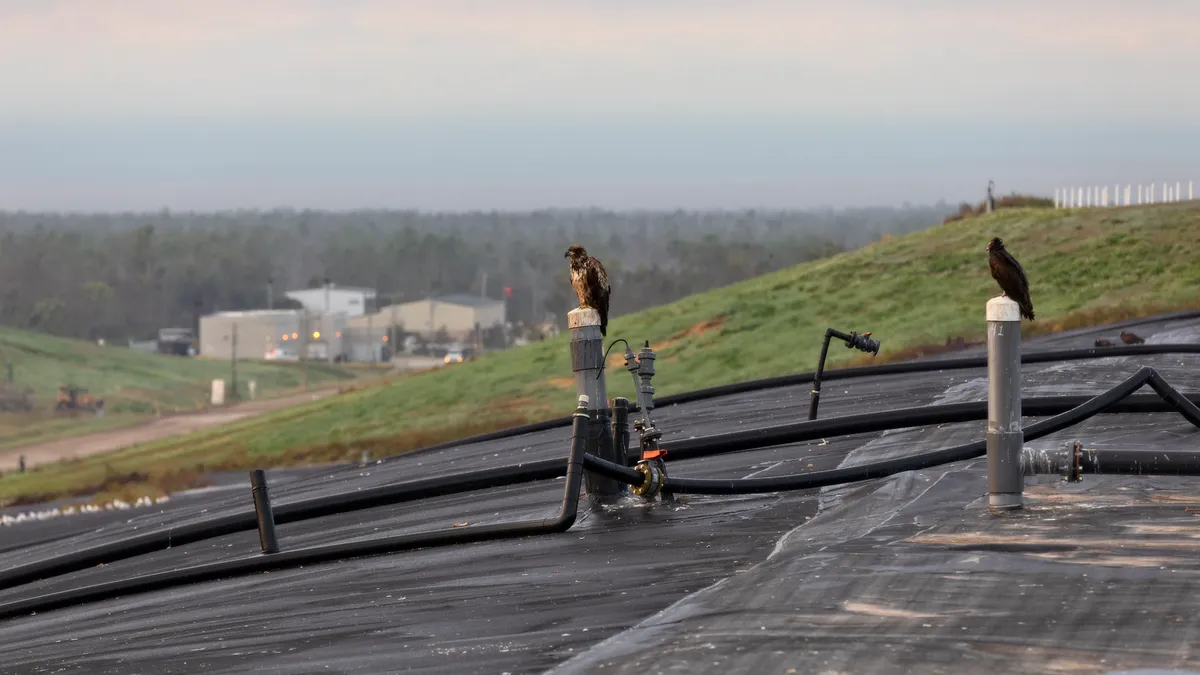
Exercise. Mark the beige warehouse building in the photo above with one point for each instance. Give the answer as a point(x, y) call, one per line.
point(457, 314)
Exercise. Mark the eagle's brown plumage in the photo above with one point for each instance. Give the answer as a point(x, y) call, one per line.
point(1008, 274)
point(590, 281)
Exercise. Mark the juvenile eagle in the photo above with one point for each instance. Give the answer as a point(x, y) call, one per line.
point(590, 281)
point(1008, 274)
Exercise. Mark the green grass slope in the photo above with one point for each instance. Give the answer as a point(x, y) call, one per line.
point(1085, 266)
point(133, 384)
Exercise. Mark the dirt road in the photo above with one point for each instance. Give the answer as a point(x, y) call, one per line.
point(155, 430)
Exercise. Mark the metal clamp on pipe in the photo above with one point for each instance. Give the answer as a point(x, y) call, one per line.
point(655, 474)
point(862, 343)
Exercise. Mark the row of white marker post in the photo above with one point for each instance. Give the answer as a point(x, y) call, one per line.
point(1079, 197)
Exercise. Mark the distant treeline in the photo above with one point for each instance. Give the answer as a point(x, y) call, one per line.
point(123, 276)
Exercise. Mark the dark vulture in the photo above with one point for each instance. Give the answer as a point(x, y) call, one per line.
point(1131, 338)
point(590, 281)
point(1008, 274)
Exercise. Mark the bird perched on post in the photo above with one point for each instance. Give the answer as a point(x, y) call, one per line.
point(1131, 338)
point(1008, 274)
point(590, 281)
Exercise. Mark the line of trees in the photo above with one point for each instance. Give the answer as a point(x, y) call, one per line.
point(124, 276)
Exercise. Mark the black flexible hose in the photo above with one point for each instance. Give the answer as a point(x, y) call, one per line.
point(316, 554)
point(910, 367)
point(383, 495)
point(972, 411)
point(405, 491)
point(613, 470)
point(926, 460)
point(903, 368)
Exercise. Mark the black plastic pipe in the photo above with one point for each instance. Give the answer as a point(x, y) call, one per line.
point(863, 343)
point(903, 368)
point(815, 479)
point(401, 492)
point(1074, 461)
point(262, 512)
point(1105, 461)
point(560, 522)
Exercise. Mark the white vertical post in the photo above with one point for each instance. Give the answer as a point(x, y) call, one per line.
point(1104, 197)
point(1128, 190)
point(1005, 478)
point(1139, 193)
point(1190, 191)
point(1056, 198)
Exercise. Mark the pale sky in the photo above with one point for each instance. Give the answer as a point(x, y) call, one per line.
point(453, 104)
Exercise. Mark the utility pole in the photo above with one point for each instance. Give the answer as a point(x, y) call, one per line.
point(371, 336)
point(327, 323)
point(304, 349)
point(270, 292)
point(483, 287)
point(233, 364)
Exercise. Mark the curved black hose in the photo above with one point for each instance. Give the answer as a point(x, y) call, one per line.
point(904, 368)
point(613, 470)
point(844, 425)
point(405, 491)
point(315, 554)
point(910, 367)
point(926, 460)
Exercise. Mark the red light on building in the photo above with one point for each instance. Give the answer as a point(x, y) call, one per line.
point(508, 291)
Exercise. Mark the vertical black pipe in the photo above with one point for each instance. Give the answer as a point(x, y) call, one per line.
point(815, 397)
point(262, 509)
point(620, 432)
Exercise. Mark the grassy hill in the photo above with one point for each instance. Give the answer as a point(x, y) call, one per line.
point(133, 384)
point(1085, 266)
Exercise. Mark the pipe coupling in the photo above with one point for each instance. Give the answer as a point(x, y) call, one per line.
point(1074, 468)
point(653, 478)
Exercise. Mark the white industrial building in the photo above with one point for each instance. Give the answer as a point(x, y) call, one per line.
point(334, 299)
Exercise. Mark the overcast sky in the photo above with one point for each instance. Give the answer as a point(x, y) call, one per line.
point(453, 104)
